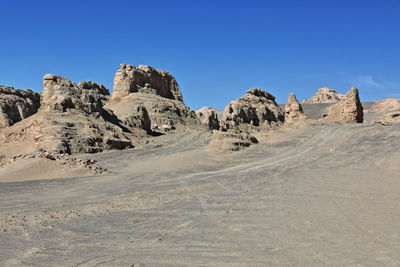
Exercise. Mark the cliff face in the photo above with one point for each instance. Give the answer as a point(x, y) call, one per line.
point(145, 79)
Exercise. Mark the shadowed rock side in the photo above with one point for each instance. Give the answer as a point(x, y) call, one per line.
point(147, 80)
point(16, 105)
point(325, 95)
point(349, 110)
point(293, 110)
point(209, 116)
point(71, 119)
point(157, 92)
point(256, 108)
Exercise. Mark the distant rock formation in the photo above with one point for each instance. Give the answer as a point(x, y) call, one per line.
point(389, 109)
point(155, 90)
point(209, 116)
point(147, 80)
point(386, 105)
point(16, 105)
point(349, 110)
point(325, 95)
point(293, 110)
point(255, 108)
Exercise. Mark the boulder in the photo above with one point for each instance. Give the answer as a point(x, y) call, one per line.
point(349, 110)
point(145, 79)
point(325, 95)
point(256, 108)
point(293, 110)
point(16, 105)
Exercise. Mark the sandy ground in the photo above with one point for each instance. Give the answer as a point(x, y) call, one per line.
point(39, 169)
point(320, 195)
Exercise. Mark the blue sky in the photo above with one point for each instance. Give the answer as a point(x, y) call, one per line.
point(215, 49)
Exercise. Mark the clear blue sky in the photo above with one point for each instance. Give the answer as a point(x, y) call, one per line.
point(215, 49)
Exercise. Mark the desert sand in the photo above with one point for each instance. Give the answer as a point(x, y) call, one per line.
point(312, 195)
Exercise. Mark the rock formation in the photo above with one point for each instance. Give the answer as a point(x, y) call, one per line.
point(71, 119)
point(230, 141)
point(209, 116)
point(325, 95)
point(386, 105)
point(16, 105)
point(211, 121)
point(155, 90)
point(60, 94)
point(147, 80)
point(349, 110)
point(388, 109)
point(293, 110)
point(255, 108)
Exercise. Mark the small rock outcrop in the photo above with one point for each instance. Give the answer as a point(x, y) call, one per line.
point(293, 110)
point(16, 105)
point(349, 110)
point(64, 159)
point(255, 108)
point(209, 116)
point(211, 120)
point(145, 79)
point(60, 94)
point(325, 95)
point(230, 141)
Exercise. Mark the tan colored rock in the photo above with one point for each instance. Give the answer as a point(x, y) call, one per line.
point(209, 116)
point(16, 105)
point(293, 110)
point(147, 80)
point(203, 111)
point(325, 95)
point(60, 94)
point(138, 118)
point(155, 90)
point(388, 110)
point(386, 105)
point(256, 108)
point(230, 141)
point(349, 110)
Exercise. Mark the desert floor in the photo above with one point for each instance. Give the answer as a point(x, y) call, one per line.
point(317, 195)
